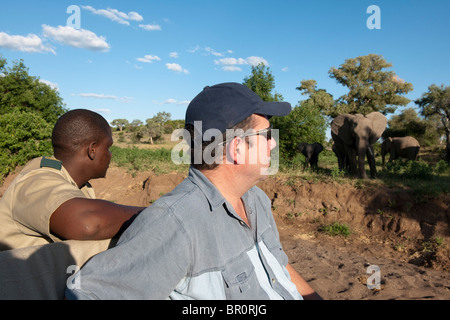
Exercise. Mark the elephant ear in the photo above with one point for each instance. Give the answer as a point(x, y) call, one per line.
point(318, 148)
point(301, 146)
point(342, 126)
point(379, 122)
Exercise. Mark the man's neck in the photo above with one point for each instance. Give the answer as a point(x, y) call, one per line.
point(232, 186)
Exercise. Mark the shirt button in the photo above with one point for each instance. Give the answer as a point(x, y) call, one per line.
point(274, 280)
point(241, 222)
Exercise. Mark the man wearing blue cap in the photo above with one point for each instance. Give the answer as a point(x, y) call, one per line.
point(213, 236)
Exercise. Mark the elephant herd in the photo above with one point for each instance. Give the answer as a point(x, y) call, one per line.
point(354, 136)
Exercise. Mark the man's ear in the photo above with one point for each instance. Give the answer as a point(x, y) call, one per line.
point(235, 152)
point(92, 150)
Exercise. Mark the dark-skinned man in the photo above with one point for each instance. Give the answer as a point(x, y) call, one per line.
point(51, 200)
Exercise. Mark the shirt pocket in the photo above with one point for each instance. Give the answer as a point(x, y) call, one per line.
point(237, 277)
point(272, 243)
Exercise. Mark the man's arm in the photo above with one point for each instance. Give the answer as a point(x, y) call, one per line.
point(303, 287)
point(91, 219)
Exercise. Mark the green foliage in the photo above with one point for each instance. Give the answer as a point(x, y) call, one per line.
point(120, 123)
point(336, 229)
point(262, 82)
point(436, 102)
point(134, 159)
point(23, 136)
point(28, 112)
point(410, 169)
point(318, 97)
point(408, 123)
point(304, 124)
point(21, 92)
point(370, 88)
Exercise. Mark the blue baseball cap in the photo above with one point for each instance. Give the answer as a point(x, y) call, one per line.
point(224, 105)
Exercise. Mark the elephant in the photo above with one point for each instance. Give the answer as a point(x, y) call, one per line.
point(354, 136)
point(311, 153)
point(404, 147)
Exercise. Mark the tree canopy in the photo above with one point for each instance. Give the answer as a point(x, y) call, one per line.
point(28, 112)
point(21, 92)
point(371, 88)
point(437, 102)
point(304, 124)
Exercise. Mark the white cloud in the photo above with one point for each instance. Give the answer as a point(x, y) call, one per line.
point(230, 61)
point(150, 27)
point(194, 49)
point(230, 64)
point(148, 58)
point(102, 110)
point(231, 68)
point(97, 96)
point(173, 55)
point(176, 67)
point(170, 101)
point(116, 15)
point(52, 85)
point(173, 101)
point(285, 69)
point(254, 61)
point(76, 38)
point(213, 52)
point(30, 43)
point(104, 96)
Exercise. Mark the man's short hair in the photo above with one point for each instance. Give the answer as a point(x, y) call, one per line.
point(244, 125)
point(76, 128)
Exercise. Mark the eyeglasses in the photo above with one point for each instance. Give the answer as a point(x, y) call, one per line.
point(267, 133)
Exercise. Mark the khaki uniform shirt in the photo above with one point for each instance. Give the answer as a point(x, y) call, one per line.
point(31, 199)
point(40, 264)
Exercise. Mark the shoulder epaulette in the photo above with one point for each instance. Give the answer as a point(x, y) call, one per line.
point(50, 163)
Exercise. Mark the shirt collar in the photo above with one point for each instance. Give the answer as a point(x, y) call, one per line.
point(212, 194)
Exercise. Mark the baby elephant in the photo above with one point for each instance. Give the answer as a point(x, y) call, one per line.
point(404, 147)
point(311, 152)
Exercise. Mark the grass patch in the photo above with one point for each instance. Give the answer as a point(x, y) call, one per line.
point(336, 229)
point(135, 159)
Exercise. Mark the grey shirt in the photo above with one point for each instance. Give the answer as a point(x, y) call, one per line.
point(191, 244)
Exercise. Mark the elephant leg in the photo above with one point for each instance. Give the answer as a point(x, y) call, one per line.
point(351, 154)
point(371, 159)
point(363, 145)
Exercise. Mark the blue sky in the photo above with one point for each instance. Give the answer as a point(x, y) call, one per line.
point(132, 59)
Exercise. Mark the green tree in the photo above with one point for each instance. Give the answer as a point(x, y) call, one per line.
point(28, 112)
point(305, 122)
point(437, 102)
point(21, 92)
point(262, 82)
point(120, 123)
point(135, 124)
point(319, 97)
point(155, 126)
point(408, 123)
point(370, 87)
point(23, 136)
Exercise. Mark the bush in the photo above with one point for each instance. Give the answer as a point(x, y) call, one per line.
point(336, 229)
point(23, 136)
point(410, 169)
